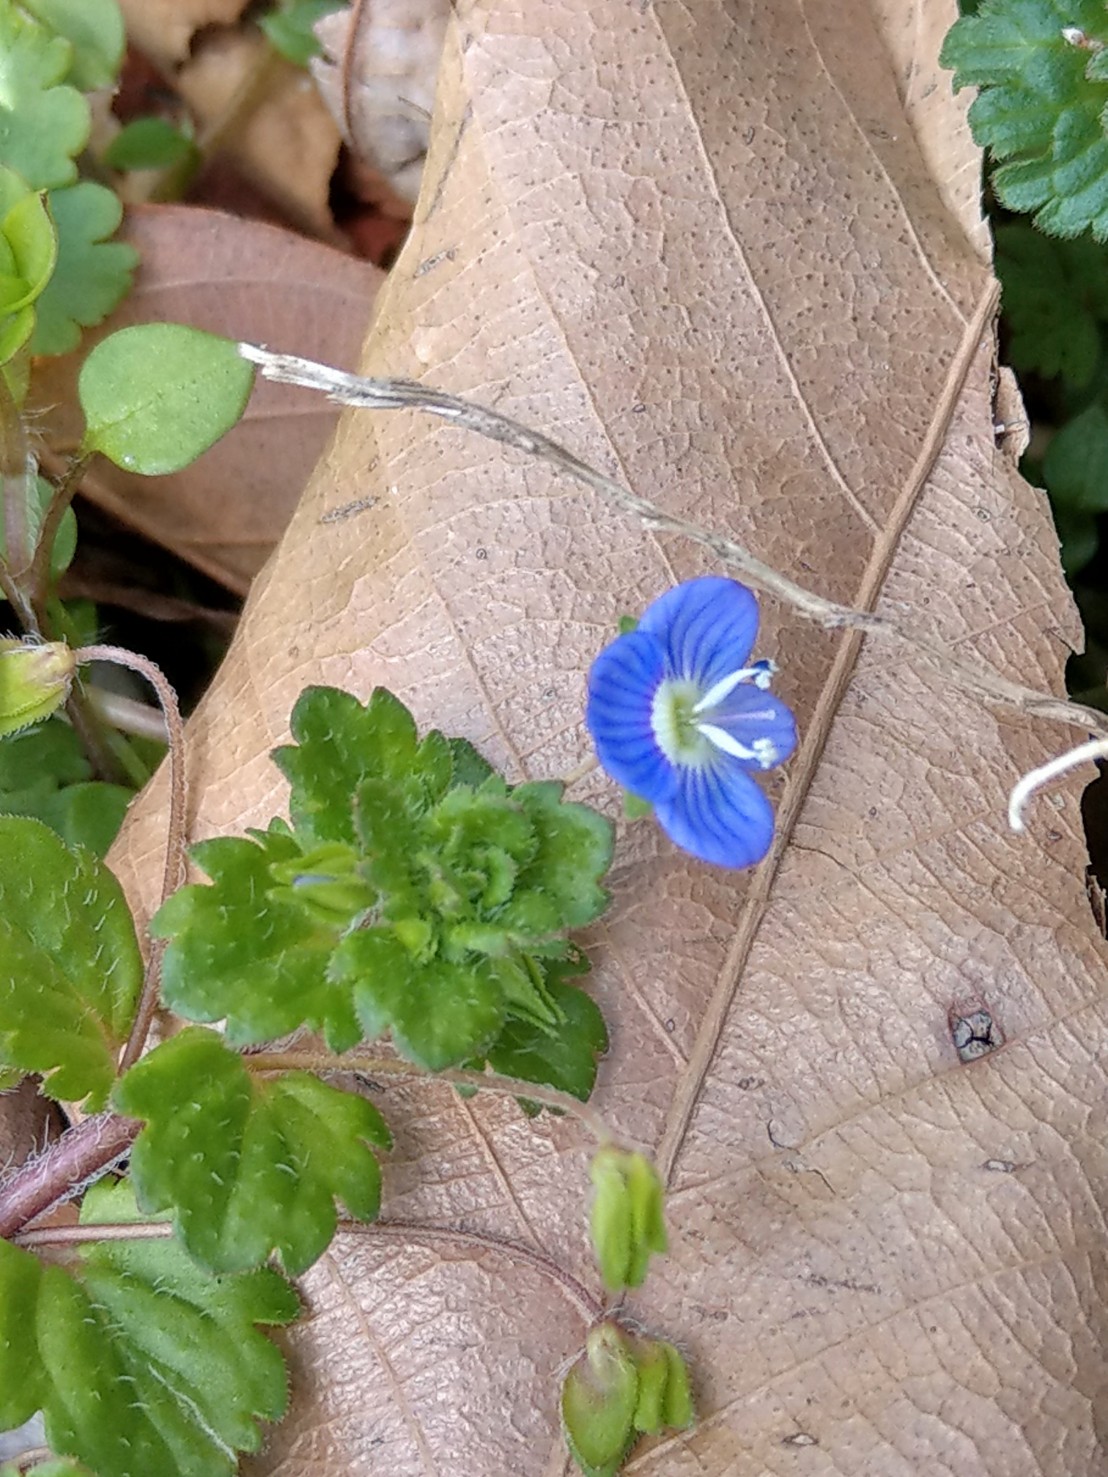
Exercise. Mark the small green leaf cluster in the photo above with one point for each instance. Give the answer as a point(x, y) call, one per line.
point(623, 1386)
point(1042, 73)
point(415, 894)
point(59, 272)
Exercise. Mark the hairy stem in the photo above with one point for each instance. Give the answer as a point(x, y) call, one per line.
point(81, 1154)
point(175, 861)
point(387, 1066)
point(399, 394)
point(65, 489)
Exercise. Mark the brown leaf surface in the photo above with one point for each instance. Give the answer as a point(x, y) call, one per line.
point(701, 246)
point(164, 29)
point(226, 511)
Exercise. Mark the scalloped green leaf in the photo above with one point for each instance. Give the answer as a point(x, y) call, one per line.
point(339, 743)
point(44, 124)
point(1039, 68)
point(566, 1058)
point(239, 950)
point(92, 274)
point(248, 1165)
point(70, 967)
point(140, 1362)
point(157, 395)
point(94, 30)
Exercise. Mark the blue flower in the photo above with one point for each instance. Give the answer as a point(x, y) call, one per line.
point(680, 717)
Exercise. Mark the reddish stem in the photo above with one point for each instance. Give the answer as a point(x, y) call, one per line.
point(82, 1152)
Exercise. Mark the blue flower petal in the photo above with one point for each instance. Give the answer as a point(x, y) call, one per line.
point(622, 684)
point(748, 714)
point(719, 815)
point(708, 626)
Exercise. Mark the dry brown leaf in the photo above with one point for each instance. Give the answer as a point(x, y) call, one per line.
point(164, 29)
point(700, 245)
point(225, 512)
point(377, 77)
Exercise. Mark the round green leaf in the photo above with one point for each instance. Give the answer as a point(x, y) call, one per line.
point(148, 143)
point(157, 395)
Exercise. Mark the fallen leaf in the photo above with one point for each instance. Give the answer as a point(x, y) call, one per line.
point(377, 77)
point(251, 281)
point(701, 247)
point(164, 29)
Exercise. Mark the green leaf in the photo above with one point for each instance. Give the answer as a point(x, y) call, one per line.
point(599, 1397)
point(70, 968)
point(43, 126)
point(1075, 467)
point(28, 244)
point(49, 1468)
point(34, 682)
point(157, 395)
point(559, 887)
point(140, 1362)
point(148, 143)
point(249, 1165)
point(45, 774)
point(339, 743)
point(565, 1058)
point(438, 1013)
point(627, 1223)
point(1055, 297)
point(37, 496)
point(239, 950)
point(1040, 104)
point(92, 275)
point(289, 28)
point(94, 29)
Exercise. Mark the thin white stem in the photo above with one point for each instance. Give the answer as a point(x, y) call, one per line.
point(398, 394)
point(128, 715)
point(1035, 779)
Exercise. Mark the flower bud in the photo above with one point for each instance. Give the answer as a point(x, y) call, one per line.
point(35, 679)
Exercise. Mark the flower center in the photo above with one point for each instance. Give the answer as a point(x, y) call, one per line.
point(674, 720)
point(682, 717)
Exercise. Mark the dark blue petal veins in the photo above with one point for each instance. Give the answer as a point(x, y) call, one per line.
point(707, 626)
point(718, 814)
point(622, 684)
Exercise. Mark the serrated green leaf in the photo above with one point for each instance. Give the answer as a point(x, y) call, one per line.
point(339, 743)
point(470, 767)
point(139, 1361)
point(1055, 297)
point(438, 1013)
point(70, 968)
point(238, 952)
point(148, 143)
point(92, 274)
point(288, 28)
point(43, 125)
point(1039, 106)
point(157, 395)
point(560, 886)
point(565, 1058)
point(248, 1165)
point(94, 29)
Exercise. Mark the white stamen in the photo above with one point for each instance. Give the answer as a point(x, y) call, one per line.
point(761, 675)
point(1035, 779)
point(723, 740)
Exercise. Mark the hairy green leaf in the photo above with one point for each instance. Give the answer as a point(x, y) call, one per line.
point(249, 1165)
point(566, 1058)
point(238, 949)
point(627, 1222)
point(94, 29)
point(43, 125)
point(70, 968)
point(1039, 68)
point(157, 395)
point(140, 1362)
point(92, 273)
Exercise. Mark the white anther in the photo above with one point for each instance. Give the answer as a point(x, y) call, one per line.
point(761, 675)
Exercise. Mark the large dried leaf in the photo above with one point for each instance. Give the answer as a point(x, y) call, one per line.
point(701, 245)
point(164, 29)
point(226, 511)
